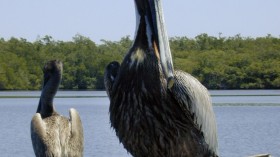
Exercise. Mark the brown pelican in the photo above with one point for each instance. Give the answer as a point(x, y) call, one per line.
point(154, 110)
point(52, 134)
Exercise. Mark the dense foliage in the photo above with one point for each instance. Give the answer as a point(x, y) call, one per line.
point(218, 62)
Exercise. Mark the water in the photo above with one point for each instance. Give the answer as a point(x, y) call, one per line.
point(248, 97)
point(248, 122)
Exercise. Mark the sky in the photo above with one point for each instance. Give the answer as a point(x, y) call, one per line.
point(114, 19)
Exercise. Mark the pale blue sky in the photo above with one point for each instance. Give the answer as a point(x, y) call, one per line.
point(113, 19)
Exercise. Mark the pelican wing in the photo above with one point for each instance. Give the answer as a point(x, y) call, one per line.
point(194, 97)
point(76, 123)
point(77, 135)
point(38, 134)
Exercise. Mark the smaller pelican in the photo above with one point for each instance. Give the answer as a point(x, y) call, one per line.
point(52, 134)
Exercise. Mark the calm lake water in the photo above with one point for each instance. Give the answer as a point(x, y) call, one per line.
point(248, 122)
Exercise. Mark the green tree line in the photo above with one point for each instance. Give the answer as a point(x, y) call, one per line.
point(218, 62)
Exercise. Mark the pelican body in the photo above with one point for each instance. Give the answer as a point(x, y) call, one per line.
point(52, 134)
point(155, 110)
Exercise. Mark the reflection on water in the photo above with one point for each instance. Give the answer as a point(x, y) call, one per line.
point(219, 97)
point(246, 130)
point(242, 130)
point(248, 97)
point(245, 92)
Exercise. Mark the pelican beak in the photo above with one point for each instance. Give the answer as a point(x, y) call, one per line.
point(151, 10)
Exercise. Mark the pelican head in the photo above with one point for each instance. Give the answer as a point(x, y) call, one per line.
point(52, 77)
point(151, 34)
point(52, 68)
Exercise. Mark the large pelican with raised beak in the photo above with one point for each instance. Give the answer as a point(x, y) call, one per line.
point(155, 110)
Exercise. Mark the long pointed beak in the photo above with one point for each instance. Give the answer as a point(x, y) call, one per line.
point(152, 10)
point(165, 53)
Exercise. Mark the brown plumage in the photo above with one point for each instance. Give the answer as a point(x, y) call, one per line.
point(157, 112)
point(52, 134)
